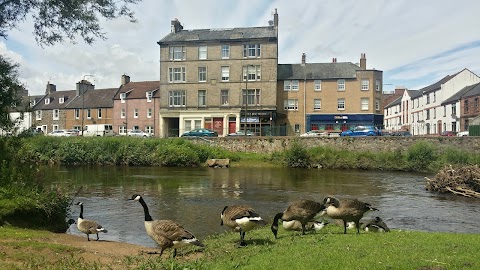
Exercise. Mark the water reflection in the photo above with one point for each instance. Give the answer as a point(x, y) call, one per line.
point(194, 197)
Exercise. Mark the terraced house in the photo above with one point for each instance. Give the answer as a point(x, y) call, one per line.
point(90, 106)
point(328, 96)
point(136, 106)
point(222, 79)
point(50, 113)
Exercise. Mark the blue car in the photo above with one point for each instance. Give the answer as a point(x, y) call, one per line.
point(362, 131)
point(200, 132)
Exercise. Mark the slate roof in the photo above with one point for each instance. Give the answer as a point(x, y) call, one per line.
point(138, 90)
point(54, 98)
point(225, 34)
point(395, 102)
point(317, 71)
point(438, 85)
point(467, 91)
point(414, 93)
point(97, 98)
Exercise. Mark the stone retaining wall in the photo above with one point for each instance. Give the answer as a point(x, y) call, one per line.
point(272, 144)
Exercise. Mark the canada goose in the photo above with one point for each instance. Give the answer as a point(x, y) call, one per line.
point(167, 233)
point(241, 218)
point(375, 225)
point(300, 210)
point(295, 225)
point(69, 224)
point(88, 226)
point(347, 210)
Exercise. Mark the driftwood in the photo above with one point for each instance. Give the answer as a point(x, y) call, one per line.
point(218, 163)
point(463, 181)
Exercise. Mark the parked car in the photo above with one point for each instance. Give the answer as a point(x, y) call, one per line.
point(200, 132)
point(315, 133)
point(402, 133)
point(72, 132)
point(362, 131)
point(31, 132)
point(138, 133)
point(59, 133)
point(241, 133)
point(448, 133)
point(463, 133)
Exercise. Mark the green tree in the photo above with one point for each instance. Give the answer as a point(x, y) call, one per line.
point(9, 87)
point(57, 20)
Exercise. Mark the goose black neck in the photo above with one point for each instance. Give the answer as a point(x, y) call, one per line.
point(145, 209)
point(276, 218)
point(81, 211)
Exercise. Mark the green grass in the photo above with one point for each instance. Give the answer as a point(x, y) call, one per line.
point(327, 249)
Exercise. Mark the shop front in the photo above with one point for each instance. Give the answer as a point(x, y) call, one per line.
point(259, 122)
point(342, 122)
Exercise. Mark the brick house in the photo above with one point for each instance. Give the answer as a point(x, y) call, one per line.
point(136, 106)
point(222, 79)
point(469, 105)
point(90, 106)
point(328, 96)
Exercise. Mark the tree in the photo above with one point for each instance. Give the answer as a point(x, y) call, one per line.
point(54, 22)
point(58, 20)
point(9, 87)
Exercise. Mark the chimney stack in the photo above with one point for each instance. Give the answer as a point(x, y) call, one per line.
point(304, 59)
point(50, 88)
point(83, 86)
point(176, 26)
point(363, 61)
point(125, 79)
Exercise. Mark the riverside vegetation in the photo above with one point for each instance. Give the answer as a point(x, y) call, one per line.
point(23, 194)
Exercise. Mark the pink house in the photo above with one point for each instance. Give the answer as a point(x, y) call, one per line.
point(135, 107)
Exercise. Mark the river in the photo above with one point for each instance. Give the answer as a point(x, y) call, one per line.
point(195, 197)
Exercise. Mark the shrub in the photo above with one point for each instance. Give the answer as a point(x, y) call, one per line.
point(296, 156)
point(421, 155)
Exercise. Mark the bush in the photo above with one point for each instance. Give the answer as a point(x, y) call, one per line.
point(421, 156)
point(24, 200)
point(297, 156)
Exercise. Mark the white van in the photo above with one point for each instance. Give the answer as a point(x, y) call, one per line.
point(98, 130)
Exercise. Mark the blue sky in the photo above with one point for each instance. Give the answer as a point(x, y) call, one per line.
point(415, 43)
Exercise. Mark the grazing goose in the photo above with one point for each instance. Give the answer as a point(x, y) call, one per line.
point(347, 210)
point(375, 225)
point(88, 226)
point(300, 210)
point(241, 218)
point(167, 233)
point(296, 225)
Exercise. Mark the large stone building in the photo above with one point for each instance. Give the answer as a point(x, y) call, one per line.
point(222, 79)
point(328, 96)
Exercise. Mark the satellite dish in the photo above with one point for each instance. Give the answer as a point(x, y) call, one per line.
point(270, 22)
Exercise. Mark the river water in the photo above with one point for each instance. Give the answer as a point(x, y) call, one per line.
point(195, 197)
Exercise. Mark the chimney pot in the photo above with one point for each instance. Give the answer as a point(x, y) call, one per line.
point(125, 79)
point(363, 61)
point(304, 59)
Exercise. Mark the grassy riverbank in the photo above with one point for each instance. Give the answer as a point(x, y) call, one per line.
point(421, 156)
point(327, 249)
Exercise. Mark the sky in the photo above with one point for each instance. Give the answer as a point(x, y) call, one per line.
point(414, 43)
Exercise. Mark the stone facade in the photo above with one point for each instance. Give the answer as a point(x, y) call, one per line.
point(203, 84)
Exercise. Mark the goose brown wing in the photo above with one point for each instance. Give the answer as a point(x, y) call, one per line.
point(302, 209)
point(171, 230)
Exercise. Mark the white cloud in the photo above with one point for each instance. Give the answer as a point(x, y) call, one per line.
point(406, 40)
